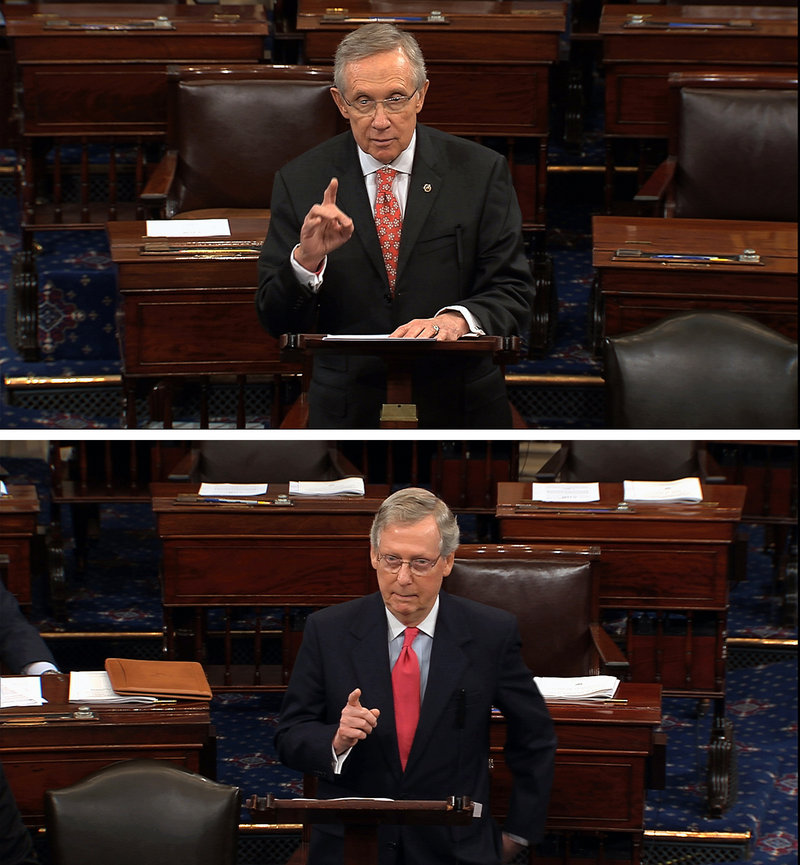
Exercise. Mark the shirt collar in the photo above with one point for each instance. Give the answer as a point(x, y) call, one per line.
point(427, 625)
point(403, 163)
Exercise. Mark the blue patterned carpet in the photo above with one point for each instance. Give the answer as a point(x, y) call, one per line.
point(119, 591)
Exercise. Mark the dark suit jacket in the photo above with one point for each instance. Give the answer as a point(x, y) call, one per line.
point(475, 665)
point(461, 243)
point(20, 642)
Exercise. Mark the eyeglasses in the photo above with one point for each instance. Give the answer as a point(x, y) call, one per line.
point(393, 105)
point(420, 567)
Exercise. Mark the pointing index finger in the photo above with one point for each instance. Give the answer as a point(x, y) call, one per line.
point(329, 196)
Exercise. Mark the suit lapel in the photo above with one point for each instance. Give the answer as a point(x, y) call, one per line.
point(448, 664)
point(370, 656)
point(352, 198)
point(423, 191)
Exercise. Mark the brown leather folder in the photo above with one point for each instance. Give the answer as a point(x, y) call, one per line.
point(185, 679)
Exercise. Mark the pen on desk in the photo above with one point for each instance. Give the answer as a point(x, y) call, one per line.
point(227, 501)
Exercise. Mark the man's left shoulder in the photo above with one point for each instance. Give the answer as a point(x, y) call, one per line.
point(455, 145)
point(477, 611)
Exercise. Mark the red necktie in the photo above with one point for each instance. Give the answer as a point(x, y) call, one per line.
point(405, 687)
point(388, 221)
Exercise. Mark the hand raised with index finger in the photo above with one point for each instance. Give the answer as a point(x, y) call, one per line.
point(324, 229)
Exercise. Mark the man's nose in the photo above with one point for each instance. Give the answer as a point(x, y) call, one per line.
point(380, 117)
point(404, 574)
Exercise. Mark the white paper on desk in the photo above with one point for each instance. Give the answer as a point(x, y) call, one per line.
point(374, 337)
point(94, 686)
point(566, 492)
point(21, 691)
point(342, 487)
point(3, 489)
point(685, 490)
point(226, 490)
point(577, 687)
point(188, 228)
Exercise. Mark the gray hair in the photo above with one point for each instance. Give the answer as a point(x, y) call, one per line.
point(372, 39)
point(411, 505)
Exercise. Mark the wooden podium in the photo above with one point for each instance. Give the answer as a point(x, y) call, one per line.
point(399, 410)
point(361, 817)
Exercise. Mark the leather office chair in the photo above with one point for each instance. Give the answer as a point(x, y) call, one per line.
point(701, 370)
point(732, 148)
point(275, 462)
point(555, 597)
point(229, 130)
point(616, 461)
point(143, 811)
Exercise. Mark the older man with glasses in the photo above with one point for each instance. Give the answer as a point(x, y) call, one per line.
point(391, 697)
point(418, 234)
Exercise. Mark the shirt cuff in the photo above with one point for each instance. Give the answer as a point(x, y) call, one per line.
point(37, 668)
point(472, 322)
point(308, 278)
point(339, 760)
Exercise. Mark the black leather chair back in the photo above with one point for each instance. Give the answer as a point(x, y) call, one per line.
point(234, 131)
point(553, 596)
point(737, 154)
point(617, 461)
point(701, 370)
point(275, 462)
point(143, 811)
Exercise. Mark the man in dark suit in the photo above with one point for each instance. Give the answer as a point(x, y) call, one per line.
point(22, 650)
point(460, 266)
point(342, 719)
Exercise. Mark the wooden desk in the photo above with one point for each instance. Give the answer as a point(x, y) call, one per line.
point(98, 71)
point(312, 553)
point(639, 57)
point(18, 517)
point(41, 749)
point(636, 292)
point(607, 755)
point(189, 310)
point(664, 572)
point(488, 67)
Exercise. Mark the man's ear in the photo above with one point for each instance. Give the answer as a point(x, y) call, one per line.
point(340, 103)
point(373, 557)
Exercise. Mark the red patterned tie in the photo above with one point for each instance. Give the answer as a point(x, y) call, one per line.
point(405, 687)
point(388, 221)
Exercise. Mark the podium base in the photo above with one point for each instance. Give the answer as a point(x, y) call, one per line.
point(399, 416)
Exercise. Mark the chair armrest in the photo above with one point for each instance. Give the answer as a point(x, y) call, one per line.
point(160, 182)
point(656, 185)
point(186, 468)
point(553, 467)
point(710, 472)
point(612, 658)
point(343, 466)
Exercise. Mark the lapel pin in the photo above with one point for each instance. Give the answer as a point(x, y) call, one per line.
point(426, 187)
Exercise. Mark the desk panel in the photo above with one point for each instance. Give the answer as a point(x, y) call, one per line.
point(638, 59)
point(637, 292)
point(603, 759)
point(41, 750)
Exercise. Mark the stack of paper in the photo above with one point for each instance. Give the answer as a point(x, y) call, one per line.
point(21, 691)
point(95, 687)
point(589, 492)
point(577, 688)
point(685, 490)
point(222, 490)
point(343, 487)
